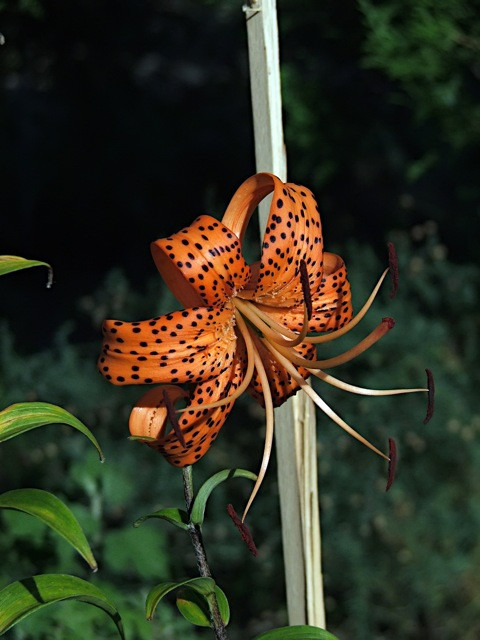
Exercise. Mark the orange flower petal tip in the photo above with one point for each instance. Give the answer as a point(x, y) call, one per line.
point(150, 415)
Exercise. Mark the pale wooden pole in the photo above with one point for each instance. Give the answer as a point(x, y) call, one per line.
point(295, 421)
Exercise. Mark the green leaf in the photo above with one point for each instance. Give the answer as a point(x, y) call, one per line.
point(194, 607)
point(24, 597)
point(175, 516)
point(198, 509)
point(54, 513)
point(14, 263)
point(299, 632)
point(19, 418)
point(203, 586)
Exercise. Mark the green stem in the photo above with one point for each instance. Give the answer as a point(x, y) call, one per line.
point(199, 549)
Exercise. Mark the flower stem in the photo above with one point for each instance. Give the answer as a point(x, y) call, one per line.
point(199, 549)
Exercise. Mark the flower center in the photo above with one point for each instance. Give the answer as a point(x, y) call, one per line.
point(262, 334)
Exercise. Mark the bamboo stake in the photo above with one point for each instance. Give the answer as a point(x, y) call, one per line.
point(295, 420)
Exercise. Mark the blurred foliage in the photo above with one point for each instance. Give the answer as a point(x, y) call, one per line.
point(120, 122)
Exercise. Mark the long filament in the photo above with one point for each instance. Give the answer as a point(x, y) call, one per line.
point(321, 404)
point(362, 391)
point(269, 428)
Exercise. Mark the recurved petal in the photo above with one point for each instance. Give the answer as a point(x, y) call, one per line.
point(293, 233)
point(203, 263)
point(199, 427)
point(331, 305)
point(282, 386)
point(193, 345)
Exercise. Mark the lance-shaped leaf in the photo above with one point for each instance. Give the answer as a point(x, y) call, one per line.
point(54, 513)
point(19, 418)
point(299, 632)
point(203, 586)
point(24, 597)
point(175, 516)
point(198, 509)
point(15, 263)
point(194, 607)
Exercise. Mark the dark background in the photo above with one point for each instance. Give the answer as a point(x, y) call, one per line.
point(120, 122)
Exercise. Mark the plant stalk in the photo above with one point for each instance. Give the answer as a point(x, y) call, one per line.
point(201, 556)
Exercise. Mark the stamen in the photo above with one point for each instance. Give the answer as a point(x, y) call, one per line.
point(340, 384)
point(392, 462)
point(269, 427)
point(173, 418)
point(383, 328)
point(430, 397)
point(306, 288)
point(251, 312)
point(321, 404)
point(338, 333)
point(393, 267)
point(246, 380)
point(268, 320)
point(243, 529)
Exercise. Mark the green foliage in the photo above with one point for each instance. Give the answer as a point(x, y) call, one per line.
point(48, 508)
point(27, 596)
point(200, 502)
point(9, 264)
point(430, 50)
point(22, 417)
point(297, 632)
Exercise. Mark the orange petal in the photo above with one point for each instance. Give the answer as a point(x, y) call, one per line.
point(293, 233)
point(150, 415)
point(193, 345)
point(332, 304)
point(198, 427)
point(282, 385)
point(202, 264)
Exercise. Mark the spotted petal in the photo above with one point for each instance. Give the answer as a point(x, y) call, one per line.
point(199, 427)
point(293, 233)
point(202, 264)
point(332, 305)
point(281, 383)
point(193, 345)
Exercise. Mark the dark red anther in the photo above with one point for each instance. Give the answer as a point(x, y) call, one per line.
point(307, 295)
point(430, 396)
point(392, 462)
point(244, 530)
point(393, 265)
point(173, 418)
point(390, 322)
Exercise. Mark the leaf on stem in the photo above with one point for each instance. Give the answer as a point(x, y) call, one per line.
point(194, 607)
point(24, 597)
point(175, 516)
point(203, 586)
point(298, 632)
point(54, 513)
point(8, 264)
point(198, 509)
point(20, 418)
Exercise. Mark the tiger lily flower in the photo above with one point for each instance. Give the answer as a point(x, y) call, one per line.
point(243, 327)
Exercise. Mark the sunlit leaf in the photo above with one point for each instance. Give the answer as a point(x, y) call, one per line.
point(19, 418)
point(198, 508)
point(194, 607)
point(8, 264)
point(24, 597)
point(54, 513)
point(299, 632)
point(175, 516)
point(203, 586)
